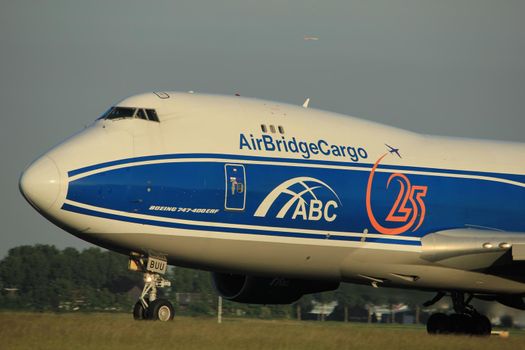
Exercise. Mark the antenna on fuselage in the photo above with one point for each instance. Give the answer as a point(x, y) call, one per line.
point(306, 102)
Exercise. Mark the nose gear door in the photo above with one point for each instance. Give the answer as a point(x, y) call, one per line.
point(235, 187)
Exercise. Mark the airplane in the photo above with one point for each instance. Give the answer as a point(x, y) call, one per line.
point(393, 150)
point(278, 201)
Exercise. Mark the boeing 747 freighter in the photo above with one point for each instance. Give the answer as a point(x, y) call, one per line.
point(278, 201)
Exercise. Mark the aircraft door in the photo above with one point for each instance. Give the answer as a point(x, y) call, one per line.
point(235, 189)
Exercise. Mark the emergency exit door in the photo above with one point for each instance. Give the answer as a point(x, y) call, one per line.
point(235, 191)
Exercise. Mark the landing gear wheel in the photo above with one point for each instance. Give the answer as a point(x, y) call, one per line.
point(466, 320)
point(481, 325)
point(161, 309)
point(152, 269)
point(139, 313)
point(460, 324)
point(438, 324)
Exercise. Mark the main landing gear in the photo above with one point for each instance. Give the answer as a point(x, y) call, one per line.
point(149, 307)
point(466, 320)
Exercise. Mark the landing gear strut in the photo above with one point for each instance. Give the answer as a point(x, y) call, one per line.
point(149, 307)
point(466, 320)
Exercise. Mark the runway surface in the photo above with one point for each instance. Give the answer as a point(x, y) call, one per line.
point(119, 331)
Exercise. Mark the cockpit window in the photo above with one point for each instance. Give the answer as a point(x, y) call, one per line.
point(120, 112)
point(130, 112)
point(141, 114)
point(152, 115)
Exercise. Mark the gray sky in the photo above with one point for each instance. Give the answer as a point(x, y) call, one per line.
point(448, 67)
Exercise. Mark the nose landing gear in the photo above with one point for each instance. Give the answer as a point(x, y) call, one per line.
point(149, 307)
point(466, 320)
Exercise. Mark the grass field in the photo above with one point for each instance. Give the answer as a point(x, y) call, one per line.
point(119, 331)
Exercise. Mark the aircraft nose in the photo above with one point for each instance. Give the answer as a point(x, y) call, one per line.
point(40, 183)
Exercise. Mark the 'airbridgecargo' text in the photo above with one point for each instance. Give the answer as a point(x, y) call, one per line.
point(305, 149)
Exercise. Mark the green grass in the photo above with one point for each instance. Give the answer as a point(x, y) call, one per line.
point(119, 331)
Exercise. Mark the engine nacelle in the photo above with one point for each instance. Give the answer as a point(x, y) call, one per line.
point(266, 290)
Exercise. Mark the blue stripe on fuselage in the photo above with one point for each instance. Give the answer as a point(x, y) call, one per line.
point(511, 177)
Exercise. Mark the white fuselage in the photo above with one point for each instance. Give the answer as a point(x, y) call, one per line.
point(210, 187)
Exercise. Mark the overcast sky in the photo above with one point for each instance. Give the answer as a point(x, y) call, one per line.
point(448, 67)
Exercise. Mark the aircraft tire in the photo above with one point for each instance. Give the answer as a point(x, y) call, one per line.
point(481, 325)
point(161, 310)
point(139, 313)
point(461, 324)
point(438, 324)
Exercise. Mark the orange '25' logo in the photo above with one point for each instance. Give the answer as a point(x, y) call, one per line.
point(408, 207)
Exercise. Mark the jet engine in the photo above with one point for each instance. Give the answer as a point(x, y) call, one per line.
point(266, 290)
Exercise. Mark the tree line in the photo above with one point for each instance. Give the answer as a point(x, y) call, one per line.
point(44, 278)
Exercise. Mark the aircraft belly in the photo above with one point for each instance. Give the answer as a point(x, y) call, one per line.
point(254, 257)
point(425, 276)
point(287, 259)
